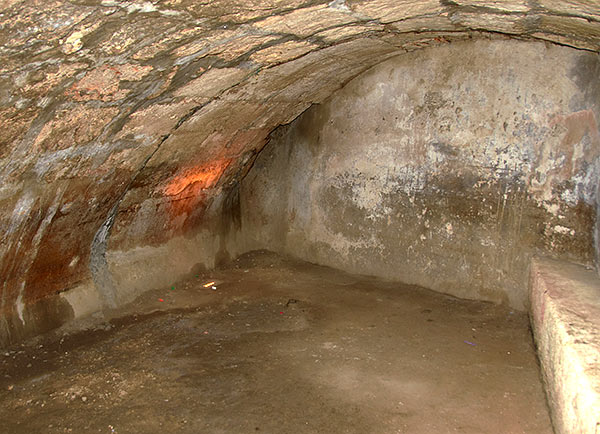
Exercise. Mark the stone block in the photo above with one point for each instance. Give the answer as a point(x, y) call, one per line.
point(565, 314)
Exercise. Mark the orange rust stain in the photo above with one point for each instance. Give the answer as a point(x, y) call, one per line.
point(187, 189)
point(195, 178)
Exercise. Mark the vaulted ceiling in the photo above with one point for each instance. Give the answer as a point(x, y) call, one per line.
point(136, 114)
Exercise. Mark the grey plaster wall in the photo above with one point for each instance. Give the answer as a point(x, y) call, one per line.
point(448, 167)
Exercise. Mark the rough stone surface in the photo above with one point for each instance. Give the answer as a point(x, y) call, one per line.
point(106, 104)
point(565, 315)
point(448, 167)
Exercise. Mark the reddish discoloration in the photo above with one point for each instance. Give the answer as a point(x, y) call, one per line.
point(76, 126)
point(53, 238)
point(578, 124)
point(13, 267)
point(187, 189)
point(104, 83)
point(197, 178)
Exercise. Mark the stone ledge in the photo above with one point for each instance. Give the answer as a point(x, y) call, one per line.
point(565, 315)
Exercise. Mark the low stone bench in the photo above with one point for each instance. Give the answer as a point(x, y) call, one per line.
point(565, 315)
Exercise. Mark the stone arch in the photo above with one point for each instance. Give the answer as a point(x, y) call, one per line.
point(132, 119)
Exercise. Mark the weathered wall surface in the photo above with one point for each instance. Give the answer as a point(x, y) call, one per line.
point(448, 167)
point(125, 123)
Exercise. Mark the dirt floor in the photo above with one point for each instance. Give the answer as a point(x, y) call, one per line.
point(281, 347)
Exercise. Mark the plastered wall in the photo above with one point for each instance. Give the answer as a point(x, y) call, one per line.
point(448, 168)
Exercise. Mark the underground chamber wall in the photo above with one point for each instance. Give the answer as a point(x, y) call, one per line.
point(453, 168)
point(449, 167)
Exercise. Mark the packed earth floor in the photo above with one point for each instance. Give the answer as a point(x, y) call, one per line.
point(280, 346)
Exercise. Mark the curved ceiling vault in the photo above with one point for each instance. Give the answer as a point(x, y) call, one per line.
point(142, 112)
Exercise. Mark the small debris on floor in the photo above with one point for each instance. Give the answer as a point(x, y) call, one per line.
point(291, 301)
